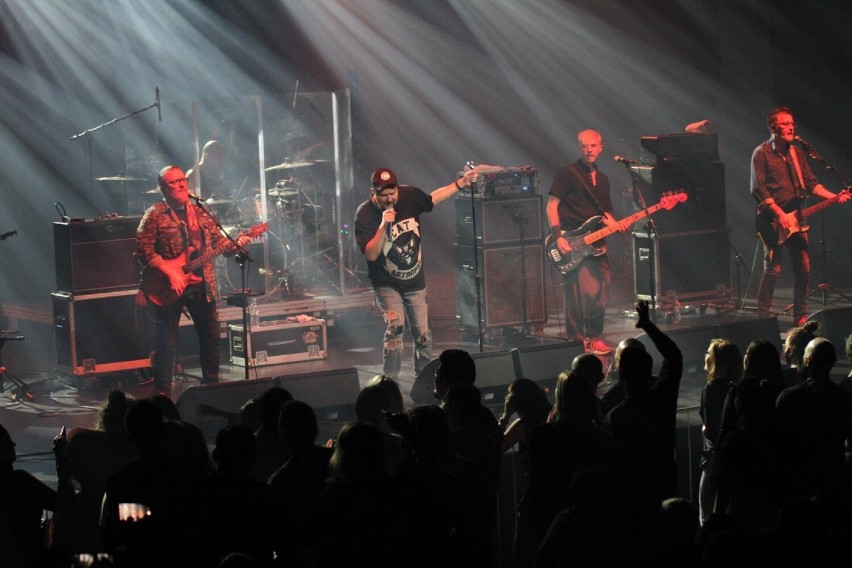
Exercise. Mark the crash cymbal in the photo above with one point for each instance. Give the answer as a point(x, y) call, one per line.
point(292, 165)
point(121, 178)
point(155, 190)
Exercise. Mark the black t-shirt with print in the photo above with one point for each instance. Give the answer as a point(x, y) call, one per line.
point(400, 265)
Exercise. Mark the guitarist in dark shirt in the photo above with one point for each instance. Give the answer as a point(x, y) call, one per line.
point(781, 180)
point(580, 191)
point(173, 229)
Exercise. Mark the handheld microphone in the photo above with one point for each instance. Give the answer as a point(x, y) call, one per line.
point(388, 226)
point(159, 111)
point(623, 160)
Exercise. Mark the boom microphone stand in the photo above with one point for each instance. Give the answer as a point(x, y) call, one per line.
point(650, 230)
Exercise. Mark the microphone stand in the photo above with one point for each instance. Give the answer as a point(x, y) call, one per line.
point(824, 287)
point(739, 262)
point(477, 277)
point(85, 133)
point(241, 296)
point(653, 235)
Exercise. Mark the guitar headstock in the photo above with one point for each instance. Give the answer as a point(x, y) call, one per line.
point(671, 198)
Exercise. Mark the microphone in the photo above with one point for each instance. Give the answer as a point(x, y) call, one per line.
point(623, 160)
point(159, 111)
point(195, 197)
point(809, 148)
point(803, 142)
point(388, 227)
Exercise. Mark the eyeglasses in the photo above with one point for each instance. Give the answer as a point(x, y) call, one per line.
point(793, 124)
point(177, 181)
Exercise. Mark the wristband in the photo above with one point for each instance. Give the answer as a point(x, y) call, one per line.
point(556, 231)
point(458, 187)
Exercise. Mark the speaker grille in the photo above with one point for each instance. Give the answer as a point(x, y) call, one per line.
point(505, 293)
point(500, 220)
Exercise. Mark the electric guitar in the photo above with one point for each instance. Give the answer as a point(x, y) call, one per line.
point(796, 219)
point(155, 282)
point(583, 239)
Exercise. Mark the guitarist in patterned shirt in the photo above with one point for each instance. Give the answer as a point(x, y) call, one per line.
point(173, 229)
point(580, 191)
point(781, 181)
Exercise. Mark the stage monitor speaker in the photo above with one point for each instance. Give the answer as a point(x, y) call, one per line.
point(835, 324)
point(95, 256)
point(544, 363)
point(693, 342)
point(100, 333)
point(512, 279)
point(692, 266)
point(331, 394)
point(508, 219)
point(704, 184)
point(495, 370)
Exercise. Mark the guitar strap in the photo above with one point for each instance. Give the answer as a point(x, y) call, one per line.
point(587, 185)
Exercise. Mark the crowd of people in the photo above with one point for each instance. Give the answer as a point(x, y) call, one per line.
point(420, 486)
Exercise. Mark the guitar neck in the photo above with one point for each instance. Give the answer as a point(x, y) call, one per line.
point(606, 231)
point(193, 264)
point(817, 207)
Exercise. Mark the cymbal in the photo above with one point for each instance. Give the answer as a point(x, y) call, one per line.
point(292, 165)
point(217, 201)
point(121, 178)
point(282, 192)
point(155, 190)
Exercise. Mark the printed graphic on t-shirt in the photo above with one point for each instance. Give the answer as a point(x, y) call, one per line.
point(402, 254)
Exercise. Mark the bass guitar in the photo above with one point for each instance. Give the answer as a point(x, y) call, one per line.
point(155, 282)
point(796, 219)
point(583, 239)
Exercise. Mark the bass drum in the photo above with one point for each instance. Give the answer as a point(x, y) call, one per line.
point(229, 274)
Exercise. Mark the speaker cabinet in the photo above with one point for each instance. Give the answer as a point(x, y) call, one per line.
point(95, 256)
point(512, 279)
point(544, 363)
point(495, 371)
point(507, 219)
point(704, 184)
point(692, 266)
point(330, 393)
point(100, 333)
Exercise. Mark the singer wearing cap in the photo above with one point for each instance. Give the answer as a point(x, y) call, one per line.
point(388, 232)
point(169, 230)
point(579, 192)
point(781, 181)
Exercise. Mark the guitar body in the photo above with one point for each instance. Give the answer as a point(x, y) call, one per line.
point(582, 240)
point(796, 225)
point(579, 249)
point(157, 285)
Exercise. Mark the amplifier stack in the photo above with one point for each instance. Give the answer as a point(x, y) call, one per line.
point(508, 216)
point(97, 326)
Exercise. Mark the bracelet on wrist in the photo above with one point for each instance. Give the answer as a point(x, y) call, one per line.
point(458, 187)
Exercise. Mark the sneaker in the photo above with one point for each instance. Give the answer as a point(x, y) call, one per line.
point(596, 346)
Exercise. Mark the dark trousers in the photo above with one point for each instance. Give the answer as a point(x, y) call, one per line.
point(205, 319)
point(586, 297)
point(797, 247)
